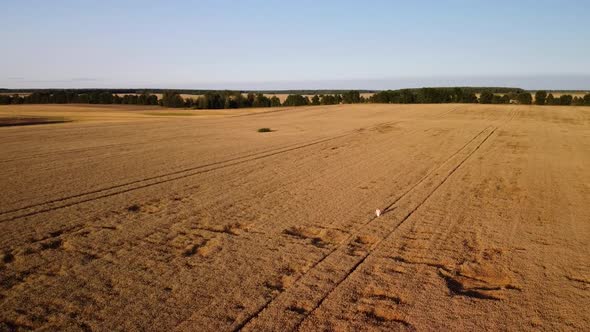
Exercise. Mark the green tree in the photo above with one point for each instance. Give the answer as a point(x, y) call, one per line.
point(250, 99)
point(60, 97)
point(228, 103)
point(486, 97)
point(315, 100)
point(153, 100)
point(16, 99)
point(587, 99)
point(540, 97)
point(275, 101)
point(261, 101)
point(5, 99)
point(504, 99)
point(381, 97)
point(524, 98)
point(407, 97)
point(351, 97)
point(550, 99)
point(457, 95)
point(142, 99)
point(295, 100)
point(104, 98)
point(578, 101)
point(565, 99)
point(469, 98)
point(238, 100)
point(170, 99)
point(328, 100)
point(433, 96)
point(85, 99)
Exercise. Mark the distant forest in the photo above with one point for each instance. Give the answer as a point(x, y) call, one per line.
point(213, 99)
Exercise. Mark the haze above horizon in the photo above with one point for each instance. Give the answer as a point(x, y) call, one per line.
point(295, 44)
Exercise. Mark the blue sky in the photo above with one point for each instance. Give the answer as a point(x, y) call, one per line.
point(294, 44)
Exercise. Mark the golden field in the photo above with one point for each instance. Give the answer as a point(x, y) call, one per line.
point(143, 218)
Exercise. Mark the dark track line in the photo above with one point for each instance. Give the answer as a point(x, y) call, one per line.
point(350, 237)
point(228, 163)
point(158, 176)
point(408, 215)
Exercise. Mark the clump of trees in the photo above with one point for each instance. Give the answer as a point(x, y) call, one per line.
point(504, 99)
point(425, 96)
point(540, 97)
point(352, 97)
point(544, 98)
point(565, 99)
point(275, 101)
point(315, 100)
point(486, 97)
point(296, 100)
point(524, 98)
point(330, 99)
point(231, 99)
point(172, 99)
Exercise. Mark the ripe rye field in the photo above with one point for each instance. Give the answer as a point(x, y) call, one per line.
point(125, 219)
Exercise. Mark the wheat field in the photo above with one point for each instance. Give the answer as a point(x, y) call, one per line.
point(143, 218)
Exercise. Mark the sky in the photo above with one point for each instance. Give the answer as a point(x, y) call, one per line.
point(294, 44)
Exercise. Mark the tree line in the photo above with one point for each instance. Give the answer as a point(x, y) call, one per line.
point(467, 95)
point(542, 98)
point(69, 97)
point(237, 99)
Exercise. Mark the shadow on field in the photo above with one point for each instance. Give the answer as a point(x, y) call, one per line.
point(12, 122)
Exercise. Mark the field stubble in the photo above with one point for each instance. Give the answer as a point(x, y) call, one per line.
point(123, 220)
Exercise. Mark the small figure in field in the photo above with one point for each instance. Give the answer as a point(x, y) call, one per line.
point(378, 212)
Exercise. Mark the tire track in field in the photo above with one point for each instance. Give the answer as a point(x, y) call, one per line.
point(232, 161)
point(112, 145)
point(65, 152)
point(406, 216)
point(101, 191)
point(93, 148)
point(386, 209)
point(164, 178)
point(402, 134)
point(338, 249)
point(513, 114)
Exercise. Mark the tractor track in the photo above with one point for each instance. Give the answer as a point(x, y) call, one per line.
point(266, 305)
point(163, 178)
point(406, 216)
point(347, 241)
point(175, 175)
point(374, 246)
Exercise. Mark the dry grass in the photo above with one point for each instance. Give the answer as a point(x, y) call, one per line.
point(122, 220)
